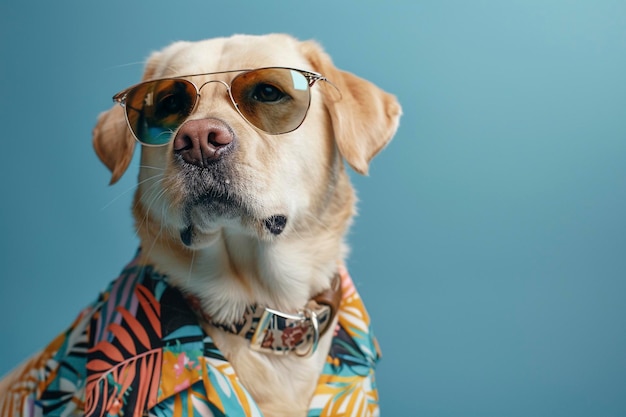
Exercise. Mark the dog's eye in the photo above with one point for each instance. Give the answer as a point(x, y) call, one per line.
point(267, 93)
point(172, 104)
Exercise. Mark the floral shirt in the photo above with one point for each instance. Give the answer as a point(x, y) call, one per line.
point(139, 350)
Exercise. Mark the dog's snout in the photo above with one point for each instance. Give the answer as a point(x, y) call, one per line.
point(200, 142)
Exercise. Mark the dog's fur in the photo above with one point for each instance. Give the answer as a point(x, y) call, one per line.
point(232, 259)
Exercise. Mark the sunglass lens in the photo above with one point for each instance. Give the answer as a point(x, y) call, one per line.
point(274, 100)
point(155, 109)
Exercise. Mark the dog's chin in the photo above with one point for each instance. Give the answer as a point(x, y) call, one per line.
point(208, 217)
point(215, 204)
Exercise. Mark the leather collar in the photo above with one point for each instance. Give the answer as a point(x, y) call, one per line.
point(273, 331)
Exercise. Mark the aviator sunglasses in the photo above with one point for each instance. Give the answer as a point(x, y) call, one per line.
point(274, 100)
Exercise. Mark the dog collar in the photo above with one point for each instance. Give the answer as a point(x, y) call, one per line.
point(273, 331)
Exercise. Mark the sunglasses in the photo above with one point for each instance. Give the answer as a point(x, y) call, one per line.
point(274, 100)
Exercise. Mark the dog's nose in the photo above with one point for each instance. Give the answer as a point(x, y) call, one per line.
point(200, 142)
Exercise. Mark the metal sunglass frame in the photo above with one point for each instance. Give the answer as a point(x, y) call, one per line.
point(311, 77)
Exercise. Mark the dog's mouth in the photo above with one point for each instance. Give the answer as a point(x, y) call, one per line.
point(274, 225)
point(216, 199)
point(205, 215)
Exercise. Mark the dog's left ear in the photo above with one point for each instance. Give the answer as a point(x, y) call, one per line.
point(364, 119)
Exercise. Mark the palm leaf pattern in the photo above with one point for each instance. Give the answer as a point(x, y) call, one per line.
point(52, 382)
point(139, 350)
point(347, 386)
point(124, 364)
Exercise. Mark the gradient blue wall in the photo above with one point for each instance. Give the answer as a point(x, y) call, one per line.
point(491, 242)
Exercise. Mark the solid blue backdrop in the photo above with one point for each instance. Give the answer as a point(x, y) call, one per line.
point(490, 246)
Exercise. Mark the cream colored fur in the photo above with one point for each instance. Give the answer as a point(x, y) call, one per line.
point(236, 262)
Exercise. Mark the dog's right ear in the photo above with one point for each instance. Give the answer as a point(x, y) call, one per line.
point(113, 142)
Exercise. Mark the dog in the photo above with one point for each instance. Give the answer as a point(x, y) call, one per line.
point(238, 301)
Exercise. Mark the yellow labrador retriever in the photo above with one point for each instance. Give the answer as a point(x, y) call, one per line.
point(238, 301)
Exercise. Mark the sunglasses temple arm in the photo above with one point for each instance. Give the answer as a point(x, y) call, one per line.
point(326, 81)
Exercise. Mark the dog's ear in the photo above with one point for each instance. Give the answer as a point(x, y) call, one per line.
point(112, 140)
point(364, 117)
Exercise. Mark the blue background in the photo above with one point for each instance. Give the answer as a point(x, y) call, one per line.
point(491, 242)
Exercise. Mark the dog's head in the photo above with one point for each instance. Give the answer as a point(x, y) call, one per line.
point(222, 174)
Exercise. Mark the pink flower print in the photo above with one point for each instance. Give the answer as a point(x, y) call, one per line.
point(181, 364)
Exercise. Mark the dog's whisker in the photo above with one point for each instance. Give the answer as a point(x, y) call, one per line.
point(154, 241)
point(193, 258)
point(155, 197)
point(152, 167)
point(145, 217)
point(132, 188)
point(161, 224)
point(129, 64)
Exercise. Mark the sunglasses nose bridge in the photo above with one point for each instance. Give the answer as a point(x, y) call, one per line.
point(225, 84)
point(213, 81)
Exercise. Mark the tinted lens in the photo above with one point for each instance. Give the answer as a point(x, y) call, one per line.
point(274, 100)
point(155, 109)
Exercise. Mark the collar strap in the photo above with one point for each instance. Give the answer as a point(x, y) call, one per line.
point(273, 331)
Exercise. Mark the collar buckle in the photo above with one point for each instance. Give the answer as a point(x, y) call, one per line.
point(281, 333)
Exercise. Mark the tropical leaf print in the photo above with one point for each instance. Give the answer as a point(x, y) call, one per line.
point(349, 396)
point(124, 373)
point(226, 392)
point(347, 386)
point(217, 393)
point(24, 384)
point(139, 350)
point(52, 382)
point(355, 321)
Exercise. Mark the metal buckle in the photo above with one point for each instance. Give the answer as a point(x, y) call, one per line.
point(269, 321)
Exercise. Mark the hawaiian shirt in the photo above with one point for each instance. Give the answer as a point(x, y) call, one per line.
point(139, 350)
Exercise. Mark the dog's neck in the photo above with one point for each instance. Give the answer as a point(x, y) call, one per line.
point(237, 270)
